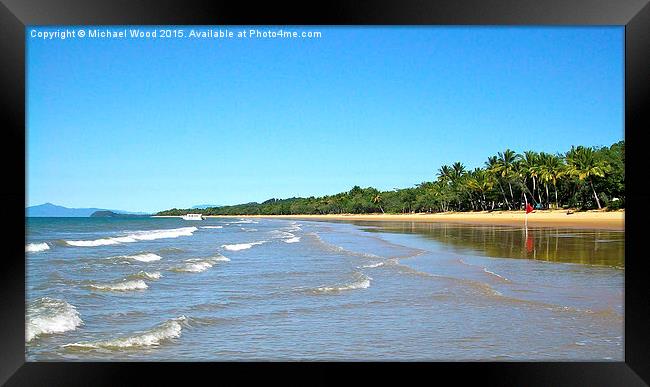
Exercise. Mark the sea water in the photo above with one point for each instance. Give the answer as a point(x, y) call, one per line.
point(150, 289)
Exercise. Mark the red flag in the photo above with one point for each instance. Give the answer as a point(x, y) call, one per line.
point(529, 208)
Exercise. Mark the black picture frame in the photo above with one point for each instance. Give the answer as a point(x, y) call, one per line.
point(15, 15)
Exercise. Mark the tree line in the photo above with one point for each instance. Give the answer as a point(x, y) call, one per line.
point(581, 178)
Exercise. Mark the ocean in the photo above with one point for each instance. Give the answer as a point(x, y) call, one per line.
point(223, 289)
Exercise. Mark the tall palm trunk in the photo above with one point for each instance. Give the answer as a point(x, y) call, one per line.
point(557, 204)
point(504, 194)
point(532, 195)
point(511, 195)
point(548, 201)
point(595, 196)
point(526, 198)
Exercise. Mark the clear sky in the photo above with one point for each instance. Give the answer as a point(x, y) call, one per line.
point(151, 124)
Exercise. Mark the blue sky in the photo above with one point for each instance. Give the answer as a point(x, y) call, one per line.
point(145, 125)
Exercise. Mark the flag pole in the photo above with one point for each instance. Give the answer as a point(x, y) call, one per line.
point(526, 223)
point(526, 215)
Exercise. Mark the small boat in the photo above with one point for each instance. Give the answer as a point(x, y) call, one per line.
point(193, 217)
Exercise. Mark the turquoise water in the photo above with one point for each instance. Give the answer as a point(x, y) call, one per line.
point(273, 289)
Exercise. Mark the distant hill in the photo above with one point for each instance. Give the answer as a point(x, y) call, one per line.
point(52, 210)
point(111, 214)
point(204, 206)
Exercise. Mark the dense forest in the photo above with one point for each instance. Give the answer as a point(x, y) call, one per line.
point(582, 178)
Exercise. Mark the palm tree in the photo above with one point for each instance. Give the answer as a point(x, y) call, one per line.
point(458, 170)
point(584, 164)
point(492, 167)
point(480, 181)
point(529, 163)
point(445, 174)
point(377, 201)
point(324, 204)
point(519, 176)
point(550, 170)
point(457, 176)
point(506, 167)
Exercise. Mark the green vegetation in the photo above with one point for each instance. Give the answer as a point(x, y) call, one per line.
point(583, 178)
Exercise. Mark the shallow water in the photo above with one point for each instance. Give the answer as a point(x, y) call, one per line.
point(272, 289)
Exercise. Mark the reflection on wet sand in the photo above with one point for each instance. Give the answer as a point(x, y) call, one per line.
point(593, 247)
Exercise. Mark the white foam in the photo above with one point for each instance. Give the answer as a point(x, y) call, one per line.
point(146, 275)
point(198, 265)
point(36, 247)
point(96, 242)
point(220, 258)
point(122, 286)
point(147, 257)
point(363, 282)
point(142, 257)
point(373, 265)
point(136, 236)
point(494, 274)
point(161, 234)
point(295, 227)
point(335, 248)
point(242, 246)
point(212, 227)
point(48, 315)
point(169, 329)
point(292, 240)
point(281, 234)
point(244, 221)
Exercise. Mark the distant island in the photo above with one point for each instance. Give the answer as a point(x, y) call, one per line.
point(55, 211)
point(582, 178)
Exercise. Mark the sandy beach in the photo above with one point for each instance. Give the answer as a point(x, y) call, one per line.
point(589, 219)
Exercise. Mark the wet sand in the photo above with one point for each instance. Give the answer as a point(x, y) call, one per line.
point(614, 220)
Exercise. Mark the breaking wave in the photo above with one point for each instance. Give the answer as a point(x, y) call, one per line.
point(242, 246)
point(147, 257)
point(146, 275)
point(198, 265)
point(244, 221)
point(212, 227)
point(361, 282)
point(123, 286)
point(495, 274)
point(168, 330)
point(48, 315)
point(292, 240)
point(373, 265)
point(36, 247)
point(142, 257)
point(338, 249)
point(281, 234)
point(135, 237)
point(485, 270)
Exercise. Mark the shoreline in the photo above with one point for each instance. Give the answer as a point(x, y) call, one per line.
point(614, 220)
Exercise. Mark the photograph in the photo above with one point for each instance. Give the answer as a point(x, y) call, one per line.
point(291, 193)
